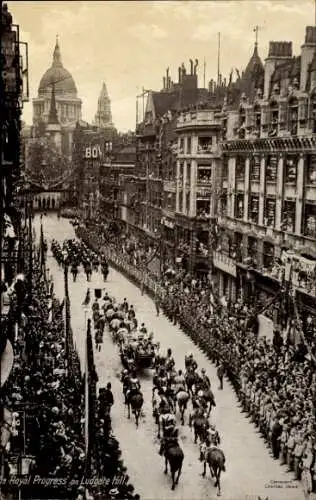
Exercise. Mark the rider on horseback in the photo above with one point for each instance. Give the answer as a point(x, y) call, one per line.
point(170, 363)
point(204, 381)
point(190, 362)
point(179, 382)
point(213, 437)
point(211, 442)
point(133, 386)
point(125, 380)
point(167, 422)
point(143, 328)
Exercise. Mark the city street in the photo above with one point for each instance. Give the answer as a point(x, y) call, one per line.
point(251, 471)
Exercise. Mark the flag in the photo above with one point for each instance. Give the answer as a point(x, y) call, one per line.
point(61, 307)
point(42, 251)
point(8, 227)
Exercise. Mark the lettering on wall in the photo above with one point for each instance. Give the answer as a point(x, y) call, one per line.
point(93, 152)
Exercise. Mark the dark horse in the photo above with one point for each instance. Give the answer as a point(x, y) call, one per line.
point(216, 461)
point(174, 457)
point(200, 424)
point(136, 401)
point(191, 377)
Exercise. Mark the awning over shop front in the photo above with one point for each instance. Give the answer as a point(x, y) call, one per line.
point(308, 252)
point(6, 359)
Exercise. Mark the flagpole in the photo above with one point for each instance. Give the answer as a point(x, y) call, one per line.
point(86, 392)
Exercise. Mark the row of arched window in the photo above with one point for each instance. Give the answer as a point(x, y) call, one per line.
point(278, 116)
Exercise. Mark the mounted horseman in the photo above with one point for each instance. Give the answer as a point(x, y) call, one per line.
point(134, 397)
point(169, 446)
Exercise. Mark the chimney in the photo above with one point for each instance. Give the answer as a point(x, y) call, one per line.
point(308, 50)
point(169, 83)
point(167, 78)
point(191, 67)
point(180, 74)
point(164, 83)
point(278, 53)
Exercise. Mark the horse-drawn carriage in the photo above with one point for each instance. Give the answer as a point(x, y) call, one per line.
point(141, 354)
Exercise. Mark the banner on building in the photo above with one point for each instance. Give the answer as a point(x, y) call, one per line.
point(265, 327)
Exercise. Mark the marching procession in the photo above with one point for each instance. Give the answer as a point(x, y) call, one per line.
point(182, 395)
point(172, 390)
point(158, 277)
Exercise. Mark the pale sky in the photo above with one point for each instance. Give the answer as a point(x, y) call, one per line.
point(129, 44)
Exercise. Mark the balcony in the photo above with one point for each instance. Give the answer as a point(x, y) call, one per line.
point(202, 191)
point(168, 212)
point(225, 263)
point(199, 119)
point(206, 150)
point(306, 143)
point(170, 186)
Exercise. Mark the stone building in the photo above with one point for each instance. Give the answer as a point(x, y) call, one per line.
point(267, 205)
point(58, 81)
point(150, 201)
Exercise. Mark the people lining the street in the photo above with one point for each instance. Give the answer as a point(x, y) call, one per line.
point(275, 381)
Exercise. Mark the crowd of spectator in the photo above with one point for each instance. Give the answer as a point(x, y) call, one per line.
point(44, 397)
point(275, 380)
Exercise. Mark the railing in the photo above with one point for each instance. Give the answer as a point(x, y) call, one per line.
point(199, 117)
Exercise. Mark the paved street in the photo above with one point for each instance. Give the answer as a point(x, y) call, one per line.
point(251, 471)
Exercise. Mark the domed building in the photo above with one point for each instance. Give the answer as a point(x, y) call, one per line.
point(68, 103)
point(56, 111)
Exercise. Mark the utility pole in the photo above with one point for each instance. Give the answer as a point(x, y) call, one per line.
point(204, 68)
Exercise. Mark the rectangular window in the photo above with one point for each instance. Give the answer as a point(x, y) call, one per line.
point(223, 203)
point(239, 206)
point(204, 175)
point(254, 209)
point(225, 169)
point(189, 145)
point(252, 249)
point(271, 168)
point(269, 216)
point(290, 170)
point(240, 168)
point(311, 170)
point(236, 252)
point(255, 168)
point(203, 209)
point(310, 220)
point(188, 174)
point(268, 256)
point(288, 216)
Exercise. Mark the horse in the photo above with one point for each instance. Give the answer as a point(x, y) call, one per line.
point(200, 425)
point(174, 457)
point(155, 405)
point(182, 398)
point(209, 399)
point(136, 401)
point(190, 380)
point(216, 461)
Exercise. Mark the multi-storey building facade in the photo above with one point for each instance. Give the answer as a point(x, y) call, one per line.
point(91, 148)
point(198, 167)
point(13, 92)
point(151, 197)
point(117, 165)
point(267, 207)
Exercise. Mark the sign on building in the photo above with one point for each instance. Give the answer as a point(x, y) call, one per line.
point(93, 151)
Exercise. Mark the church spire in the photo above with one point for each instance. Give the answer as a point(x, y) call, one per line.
point(103, 116)
point(57, 55)
point(53, 117)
